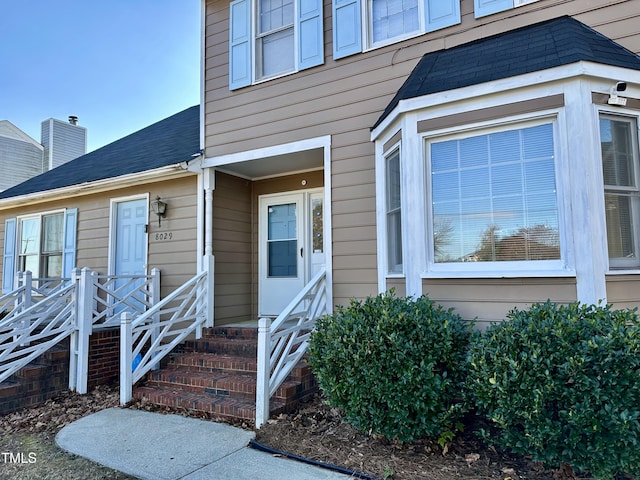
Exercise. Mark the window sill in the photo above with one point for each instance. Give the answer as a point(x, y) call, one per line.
point(556, 273)
point(622, 271)
point(394, 275)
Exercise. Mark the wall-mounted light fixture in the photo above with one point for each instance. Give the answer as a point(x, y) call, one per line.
point(160, 209)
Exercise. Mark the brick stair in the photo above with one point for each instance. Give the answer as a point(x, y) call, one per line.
point(217, 375)
point(42, 379)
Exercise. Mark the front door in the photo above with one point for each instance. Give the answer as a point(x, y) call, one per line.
point(130, 247)
point(288, 256)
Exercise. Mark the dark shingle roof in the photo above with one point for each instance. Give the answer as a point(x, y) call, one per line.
point(548, 44)
point(170, 141)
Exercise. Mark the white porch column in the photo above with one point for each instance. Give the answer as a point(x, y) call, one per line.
point(586, 195)
point(209, 186)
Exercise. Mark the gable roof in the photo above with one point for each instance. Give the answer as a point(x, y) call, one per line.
point(9, 130)
point(170, 141)
point(556, 42)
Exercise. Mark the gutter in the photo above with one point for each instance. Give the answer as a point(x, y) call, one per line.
point(168, 172)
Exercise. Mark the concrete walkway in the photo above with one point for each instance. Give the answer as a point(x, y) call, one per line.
point(170, 447)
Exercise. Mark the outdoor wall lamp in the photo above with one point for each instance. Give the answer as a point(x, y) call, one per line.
point(160, 209)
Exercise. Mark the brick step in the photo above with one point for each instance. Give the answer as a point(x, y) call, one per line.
point(227, 407)
point(211, 362)
point(223, 346)
point(247, 333)
point(219, 383)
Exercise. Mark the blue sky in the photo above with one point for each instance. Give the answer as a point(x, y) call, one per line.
point(119, 65)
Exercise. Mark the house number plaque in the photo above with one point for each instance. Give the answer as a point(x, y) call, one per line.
point(164, 236)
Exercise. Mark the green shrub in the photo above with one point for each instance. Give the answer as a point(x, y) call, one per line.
point(562, 384)
point(394, 366)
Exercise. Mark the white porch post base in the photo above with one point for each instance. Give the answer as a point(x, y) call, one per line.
point(262, 380)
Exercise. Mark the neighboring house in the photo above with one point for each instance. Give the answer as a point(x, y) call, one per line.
point(62, 141)
point(483, 152)
point(20, 155)
point(94, 211)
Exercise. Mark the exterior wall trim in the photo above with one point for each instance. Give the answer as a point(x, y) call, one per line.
point(135, 179)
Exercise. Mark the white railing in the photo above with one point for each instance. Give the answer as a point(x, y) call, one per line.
point(113, 294)
point(35, 330)
point(29, 291)
point(147, 339)
point(282, 344)
point(41, 312)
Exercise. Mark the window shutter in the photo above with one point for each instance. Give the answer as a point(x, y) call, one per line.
point(240, 44)
point(69, 245)
point(487, 7)
point(347, 28)
point(441, 13)
point(310, 37)
point(9, 255)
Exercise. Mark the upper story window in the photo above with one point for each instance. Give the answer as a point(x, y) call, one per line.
point(483, 8)
point(387, 21)
point(270, 38)
point(493, 196)
point(620, 165)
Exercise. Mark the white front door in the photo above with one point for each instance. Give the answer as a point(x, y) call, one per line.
point(130, 242)
point(288, 256)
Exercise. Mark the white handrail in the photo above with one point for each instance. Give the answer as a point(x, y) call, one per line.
point(35, 330)
point(283, 343)
point(151, 336)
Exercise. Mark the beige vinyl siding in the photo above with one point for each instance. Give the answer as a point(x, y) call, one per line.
point(623, 291)
point(176, 257)
point(398, 285)
point(489, 300)
point(344, 98)
point(232, 249)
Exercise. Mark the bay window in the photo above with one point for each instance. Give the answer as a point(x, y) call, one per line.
point(493, 196)
point(619, 148)
point(393, 213)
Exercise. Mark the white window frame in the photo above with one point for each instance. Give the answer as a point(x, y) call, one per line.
point(395, 270)
point(367, 14)
point(532, 268)
point(482, 11)
point(258, 62)
point(40, 216)
point(619, 265)
point(244, 55)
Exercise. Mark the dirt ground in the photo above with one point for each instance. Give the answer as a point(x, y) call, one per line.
point(319, 432)
point(315, 431)
point(27, 440)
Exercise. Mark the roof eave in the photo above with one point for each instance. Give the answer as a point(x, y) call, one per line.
point(167, 172)
point(550, 75)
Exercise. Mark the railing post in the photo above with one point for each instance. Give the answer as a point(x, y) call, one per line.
point(126, 358)
point(73, 339)
point(24, 280)
point(155, 298)
point(28, 289)
point(84, 319)
point(264, 370)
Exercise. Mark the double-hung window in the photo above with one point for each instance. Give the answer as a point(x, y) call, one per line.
point(493, 197)
point(488, 7)
point(620, 160)
point(387, 21)
point(44, 244)
point(270, 38)
point(393, 213)
point(40, 245)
